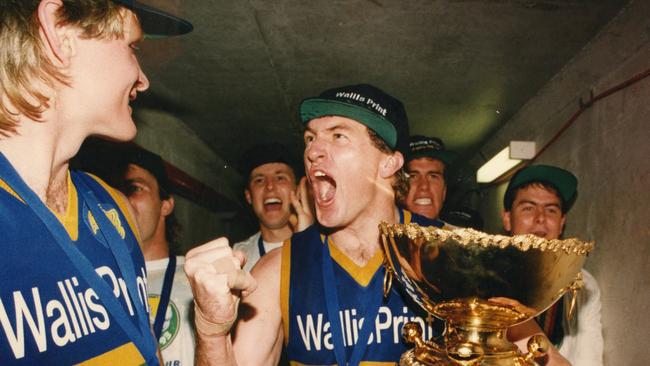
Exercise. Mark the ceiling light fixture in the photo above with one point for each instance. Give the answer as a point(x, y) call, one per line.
point(505, 160)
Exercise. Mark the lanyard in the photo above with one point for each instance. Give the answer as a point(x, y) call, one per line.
point(125, 264)
point(144, 343)
point(165, 294)
point(260, 246)
point(333, 310)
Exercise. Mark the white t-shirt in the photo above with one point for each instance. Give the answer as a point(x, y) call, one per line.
point(177, 335)
point(250, 247)
point(582, 344)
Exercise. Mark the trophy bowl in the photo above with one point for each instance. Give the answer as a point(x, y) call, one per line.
point(479, 285)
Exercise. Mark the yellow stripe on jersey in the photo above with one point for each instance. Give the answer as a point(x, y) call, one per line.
point(407, 216)
point(361, 274)
point(69, 219)
point(153, 301)
point(121, 203)
point(6, 187)
point(285, 281)
point(125, 355)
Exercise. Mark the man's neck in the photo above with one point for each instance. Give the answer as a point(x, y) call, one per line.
point(42, 166)
point(361, 240)
point(156, 246)
point(275, 235)
point(153, 250)
point(41, 157)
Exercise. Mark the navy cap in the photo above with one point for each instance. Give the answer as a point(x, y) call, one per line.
point(463, 217)
point(266, 154)
point(155, 22)
point(431, 147)
point(366, 104)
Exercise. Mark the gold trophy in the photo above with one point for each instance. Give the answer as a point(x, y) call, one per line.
point(480, 285)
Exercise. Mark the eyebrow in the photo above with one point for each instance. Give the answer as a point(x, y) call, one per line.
point(275, 172)
point(336, 127)
point(135, 180)
point(426, 171)
point(553, 204)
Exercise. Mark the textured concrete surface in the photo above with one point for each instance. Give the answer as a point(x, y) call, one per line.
point(607, 148)
point(461, 67)
point(170, 137)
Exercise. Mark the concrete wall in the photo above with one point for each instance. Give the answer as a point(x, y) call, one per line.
point(170, 137)
point(608, 148)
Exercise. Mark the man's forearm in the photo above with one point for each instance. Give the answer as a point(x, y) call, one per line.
point(214, 350)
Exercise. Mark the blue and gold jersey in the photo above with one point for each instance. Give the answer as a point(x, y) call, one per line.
point(308, 337)
point(49, 315)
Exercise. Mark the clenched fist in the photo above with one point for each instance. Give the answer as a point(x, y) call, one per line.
point(218, 281)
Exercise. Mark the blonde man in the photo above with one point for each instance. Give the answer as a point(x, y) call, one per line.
point(73, 285)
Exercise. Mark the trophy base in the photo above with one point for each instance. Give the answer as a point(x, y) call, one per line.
point(409, 359)
point(469, 346)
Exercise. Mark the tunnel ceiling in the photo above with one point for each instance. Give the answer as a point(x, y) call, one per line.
point(462, 68)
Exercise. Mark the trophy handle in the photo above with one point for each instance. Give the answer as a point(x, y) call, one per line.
point(574, 288)
point(424, 353)
point(537, 347)
point(388, 280)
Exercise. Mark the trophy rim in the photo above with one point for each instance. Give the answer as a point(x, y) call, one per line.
point(470, 306)
point(468, 236)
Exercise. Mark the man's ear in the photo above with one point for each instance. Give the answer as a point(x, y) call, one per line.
point(57, 40)
point(505, 216)
point(167, 206)
point(247, 194)
point(444, 193)
point(391, 164)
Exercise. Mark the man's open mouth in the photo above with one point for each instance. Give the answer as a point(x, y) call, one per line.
point(422, 201)
point(324, 187)
point(272, 203)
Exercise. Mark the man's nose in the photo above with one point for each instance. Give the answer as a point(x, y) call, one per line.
point(315, 151)
point(422, 184)
point(143, 81)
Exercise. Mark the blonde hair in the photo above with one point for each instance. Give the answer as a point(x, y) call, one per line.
point(23, 58)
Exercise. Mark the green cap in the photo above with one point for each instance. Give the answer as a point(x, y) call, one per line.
point(365, 104)
point(562, 180)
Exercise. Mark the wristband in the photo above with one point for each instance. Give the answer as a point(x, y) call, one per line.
point(208, 328)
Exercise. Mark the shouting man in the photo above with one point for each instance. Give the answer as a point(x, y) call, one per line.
point(73, 282)
point(330, 271)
